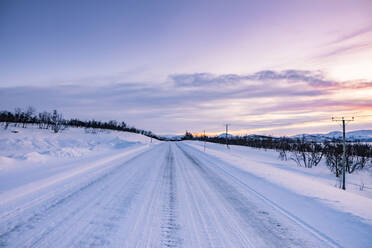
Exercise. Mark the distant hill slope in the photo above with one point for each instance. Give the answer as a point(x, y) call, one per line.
point(359, 135)
point(223, 135)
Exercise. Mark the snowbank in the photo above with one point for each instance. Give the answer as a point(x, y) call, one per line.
point(36, 145)
point(29, 154)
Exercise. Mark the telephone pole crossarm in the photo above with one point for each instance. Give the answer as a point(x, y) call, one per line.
point(342, 119)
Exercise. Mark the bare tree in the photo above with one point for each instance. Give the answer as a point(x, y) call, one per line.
point(29, 115)
point(57, 121)
point(44, 120)
point(306, 154)
point(17, 115)
point(333, 156)
point(359, 155)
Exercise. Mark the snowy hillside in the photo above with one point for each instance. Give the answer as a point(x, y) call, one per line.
point(224, 135)
point(359, 135)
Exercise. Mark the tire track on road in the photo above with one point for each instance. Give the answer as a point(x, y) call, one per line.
point(209, 221)
point(169, 225)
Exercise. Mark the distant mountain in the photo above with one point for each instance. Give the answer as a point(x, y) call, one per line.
point(359, 135)
point(223, 135)
point(254, 136)
point(172, 137)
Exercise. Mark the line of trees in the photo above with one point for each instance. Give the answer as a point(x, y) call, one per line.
point(305, 153)
point(55, 121)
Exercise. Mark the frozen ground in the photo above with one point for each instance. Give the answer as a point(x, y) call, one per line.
point(164, 194)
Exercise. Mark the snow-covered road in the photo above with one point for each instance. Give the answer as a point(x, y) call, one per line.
point(167, 195)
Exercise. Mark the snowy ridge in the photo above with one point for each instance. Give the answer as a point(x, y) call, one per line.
point(359, 135)
point(224, 135)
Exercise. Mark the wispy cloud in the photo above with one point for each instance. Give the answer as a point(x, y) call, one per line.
point(352, 35)
point(345, 49)
point(205, 79)
point(359, 39)
point(314, 78)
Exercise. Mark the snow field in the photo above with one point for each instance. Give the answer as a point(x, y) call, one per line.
point(123, 191)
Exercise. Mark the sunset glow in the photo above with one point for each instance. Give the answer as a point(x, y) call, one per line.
point(273, 67)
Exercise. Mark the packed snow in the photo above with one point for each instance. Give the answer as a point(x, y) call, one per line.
point(117, 189)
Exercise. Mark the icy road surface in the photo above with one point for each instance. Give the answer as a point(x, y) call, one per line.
point(168, 195)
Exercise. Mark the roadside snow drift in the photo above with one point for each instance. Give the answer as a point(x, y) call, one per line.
point(29, 154)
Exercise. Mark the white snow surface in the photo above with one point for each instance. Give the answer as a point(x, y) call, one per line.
point(115, 189)
point(28, 154)
point(38, 145)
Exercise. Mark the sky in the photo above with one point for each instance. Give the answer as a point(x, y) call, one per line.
point(266, 67)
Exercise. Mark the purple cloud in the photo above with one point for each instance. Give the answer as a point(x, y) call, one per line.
point(313, 78)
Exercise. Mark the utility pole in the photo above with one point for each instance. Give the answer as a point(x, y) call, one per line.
point(227, 140)
point(343, 120)
point(204, 140)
